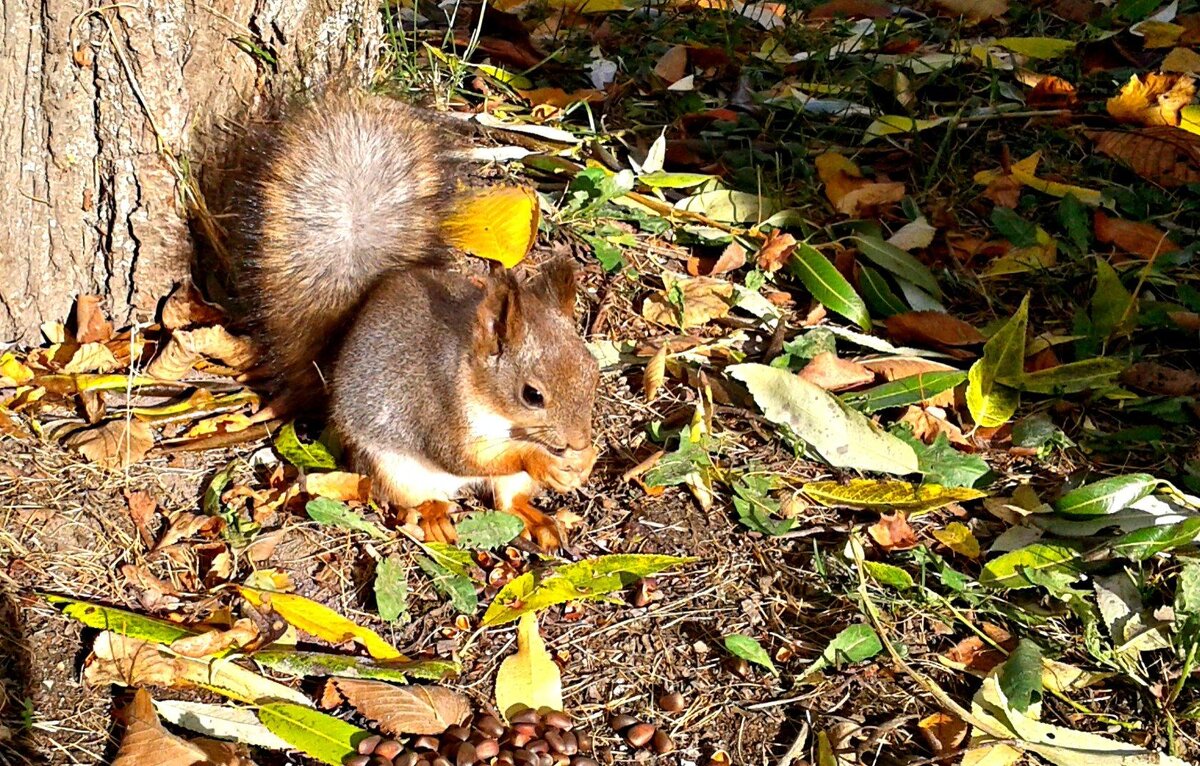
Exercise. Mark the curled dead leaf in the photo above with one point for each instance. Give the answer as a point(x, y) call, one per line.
point(851, 193)
point(338, 485)
point(673, 64)
point(776, 251)
point(187, 347)
point(1155, 100)
point(1164, 155)
point(689, 302)
point(91, 326)
point(185, 306)
point(1052, 93)
point(147, 743)
point(932, 328)
point(1159, 379)
point(892, 533)
point(656, 372)
point(414, 709)
point(115, 444)
point(1142, 239)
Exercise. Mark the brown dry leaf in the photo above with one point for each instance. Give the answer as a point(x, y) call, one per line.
point(338, 485)
point(1079, 11)
point(142, 506)
point(1159, 379)
point(1167, 156)
point(152, 592)
point(264, 546)
point(184, 525)
point(852, 9)
point(892, 533)
point(559, 98)
point(704, 299)
point(1052, 93)
point(410, 709)
point(974, 10)
point(673, 64)
point(973, 653)
point(944, 732)
point(656, 373)
point(1183, 60)
point(75, 358)
point(242, 633)
point(147, 743)
point(776, 251)
point(1154, 101)
point(733, 257)
point(187, 347)
point(832, 373)
point(1142, 239)
point(91, 326)
point(849, 192)
point(115, 444)
point(932, 328)
point(926, 426)
point(186, 306)
point(1004, 190)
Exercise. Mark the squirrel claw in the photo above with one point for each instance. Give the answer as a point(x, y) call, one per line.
point(436, 522)
point(539, 527)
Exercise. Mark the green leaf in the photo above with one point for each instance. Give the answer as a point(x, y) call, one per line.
point(842, 436)
point(828, 286)
point(211, 503)
point(300, 454)
point(729, 206)
point(888, 495)
point(942, 464)
point(488, 530)
point(1021, 675)
point(1013, 227)
point(1073, 215)
point(301, 664)
point(1068, 378)
point(905, 391)
point(1019, 569)
point(453, 558)
point(887, 256)
point(854, 644)
point(1141, 544)
point(588, 579)
point(316, 734)
point(990, 402)
point(391, 589)
point(1106, 496)
point(661, 179)
point(1037, 48)
point(1113, 308)
point(750, 650)
point(878, 293)
point(458, 588)
point(889, 575)
point(755, 507)
point(120, 621)
point(335, 513)
point(1187, 589)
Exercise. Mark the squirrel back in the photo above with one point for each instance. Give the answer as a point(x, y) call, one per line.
point(353, 187)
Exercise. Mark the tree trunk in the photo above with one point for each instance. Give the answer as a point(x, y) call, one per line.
point(100, 108)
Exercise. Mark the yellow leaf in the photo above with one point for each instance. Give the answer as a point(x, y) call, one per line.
point(1182, 60)
point(1153, 101)
point(1159, 34)
point(1189, 119)
point(500, 74)
point(993, 407)
point(13, 372)
point(1019, 260)
point(321, 621)
point(528, 678)
point(898, 495)
point(499, 224)
point(1037, 47)
point(958, 538)
point(1025, 171)
point(889, 124)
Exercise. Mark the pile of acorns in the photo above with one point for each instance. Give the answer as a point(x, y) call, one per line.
point(533, 739)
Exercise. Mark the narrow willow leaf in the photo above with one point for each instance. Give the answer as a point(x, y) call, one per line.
point(887, 256)
point(878, 293)
point(321, 621)
point(828, 286)
point(897, 495)
point(1106, 496)
point(1070, 378)
point(316, 734)
point(300, 664)
point(120, 621)
point(306, 455)
point(220, 721)
point(905, 391)
point(1141, 544)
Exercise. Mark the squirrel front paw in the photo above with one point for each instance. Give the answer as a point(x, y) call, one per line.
point(436, 523)
point(568, 471)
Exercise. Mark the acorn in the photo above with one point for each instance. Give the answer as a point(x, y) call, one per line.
point(388, 748)
point(639, 734)
point(661, 743)
point(559, 720)
point(621, 722)
point(356, 759)
point(367, 746)
point(672, 702)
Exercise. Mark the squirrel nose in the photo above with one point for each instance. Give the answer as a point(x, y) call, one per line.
point(579, 440)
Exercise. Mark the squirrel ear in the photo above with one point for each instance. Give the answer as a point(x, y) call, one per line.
point(498, 318)
point(555, 282)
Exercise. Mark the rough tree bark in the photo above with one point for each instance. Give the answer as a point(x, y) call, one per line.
point(101, 104)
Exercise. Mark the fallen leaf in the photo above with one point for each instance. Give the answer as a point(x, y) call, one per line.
point(974, 10)
point(1153, 101)
point(413, 709)
point(852, 9)
point(958, 538)
point(115, 444)
point(1155, 378)
point(1159, 34)
point(559, 98)
point(932, 327)
point(888, 494)
point(499, 223)
point(187, 347)
point(732, 258)
point(656, 369)
point(185, 306)
point(242, 633)
point(1052, 93)
point(1142, 239)
point(321, 621)
point(851, 193)
point(1163, 155)
point(776, 251)
point(673, 64)
point(689, 302)
point(926, 426)
point(338, 485)
point(1004, 190)
point(147, 743)
point(1025, 171)
point(892, 533)
point(529, 678)
point(91, 326)
point(1182, 60)
point(832, 373)
point(944, 732)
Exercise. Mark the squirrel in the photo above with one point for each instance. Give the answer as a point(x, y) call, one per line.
point(435, 382)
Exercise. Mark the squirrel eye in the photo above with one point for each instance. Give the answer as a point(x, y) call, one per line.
point(532, 397)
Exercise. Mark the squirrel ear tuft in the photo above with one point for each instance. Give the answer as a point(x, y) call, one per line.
point(498, 318)
point(555, 283)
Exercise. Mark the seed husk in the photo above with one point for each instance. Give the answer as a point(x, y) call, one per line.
point(559, 720)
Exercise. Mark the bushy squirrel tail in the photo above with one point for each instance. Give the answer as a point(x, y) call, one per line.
point(351, 187)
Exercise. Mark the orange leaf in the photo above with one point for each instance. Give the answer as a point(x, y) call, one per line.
point(776, 251)
point(1164, 155)
point(893, 533)
point(931, 328)
point(833, 373)
point(146, 742)
point(1141, 239)
point(559, 98)
point(943, 731)
point(1052, 93)
point(673, 64)
point(1154, 101)
point(849, 192)
point(412, 709)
